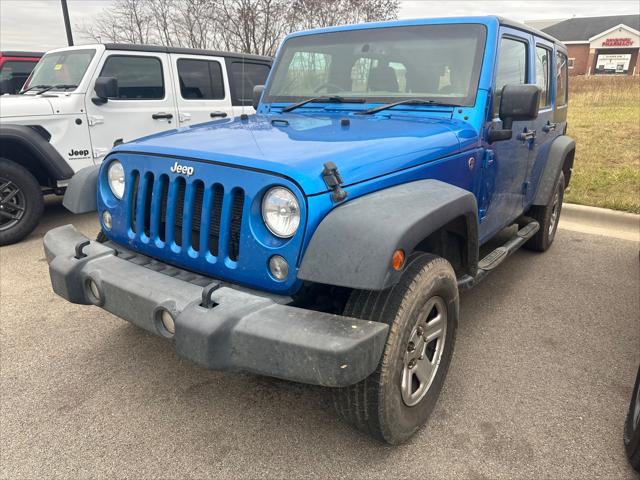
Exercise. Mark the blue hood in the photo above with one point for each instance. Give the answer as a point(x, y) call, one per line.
point(297, 145)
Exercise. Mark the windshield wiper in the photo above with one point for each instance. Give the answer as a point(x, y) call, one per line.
point(46, 88)
point(409, 101)
point(33, 87)
point(324, 98)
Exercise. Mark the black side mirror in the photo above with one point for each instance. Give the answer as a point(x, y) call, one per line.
point(105, 88)
point(517, 103)
point(257, 94)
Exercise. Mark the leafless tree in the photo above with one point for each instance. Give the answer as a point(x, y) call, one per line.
point(250, 26)
point(127, 21)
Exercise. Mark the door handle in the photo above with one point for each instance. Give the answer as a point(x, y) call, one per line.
point(218, 114)
point(549, 127)
point(162, 115)
point(527, 135)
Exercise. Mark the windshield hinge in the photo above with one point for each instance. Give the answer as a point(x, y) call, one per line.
point(95, 120)
point(333, 180)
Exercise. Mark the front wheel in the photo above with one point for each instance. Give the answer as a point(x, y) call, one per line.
point(21, 202)
point(422, 313)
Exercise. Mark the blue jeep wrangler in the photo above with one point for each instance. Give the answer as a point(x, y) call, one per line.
point(325, 239)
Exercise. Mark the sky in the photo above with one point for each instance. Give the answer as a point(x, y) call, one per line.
point(38, 24)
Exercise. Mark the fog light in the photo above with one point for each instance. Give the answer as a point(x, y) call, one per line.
point(167, 322)
point(107, 220)
point(279, 267)
point(95, 292)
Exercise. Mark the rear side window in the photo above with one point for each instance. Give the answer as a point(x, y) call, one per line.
point(245, 76)
point(512, 67)
point(200, 79)
point(543, 75)
point(562, 72)
point(14, 67)
point(13, 74)
point(139, 78)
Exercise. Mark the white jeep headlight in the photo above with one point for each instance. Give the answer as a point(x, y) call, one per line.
point(281, 212)
point(115, 176)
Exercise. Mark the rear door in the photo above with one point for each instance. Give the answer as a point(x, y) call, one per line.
point(545, 126)
point(145, 103)
point(507, 160)
point(202, 88)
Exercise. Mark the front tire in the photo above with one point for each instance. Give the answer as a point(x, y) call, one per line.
point(21, 202)
point(422, 313)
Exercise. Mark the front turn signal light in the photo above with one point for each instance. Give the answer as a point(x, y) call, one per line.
point(397, 261)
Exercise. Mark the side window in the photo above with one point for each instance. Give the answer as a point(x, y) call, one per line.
point(512, 67)
point(13, 74)
point(245, 76)
point(543, 75)
point(200, 79)
point(562, 73)
point(14, 68)
point(139, 78)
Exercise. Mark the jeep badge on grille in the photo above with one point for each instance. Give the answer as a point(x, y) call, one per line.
point(183, 169)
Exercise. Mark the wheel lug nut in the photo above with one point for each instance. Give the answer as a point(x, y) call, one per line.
point(412, 363)
point(420, 331)
point(411, 347)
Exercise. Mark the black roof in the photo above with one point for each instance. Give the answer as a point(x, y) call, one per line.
point(526, 28)
point(186, 51)
point(14, 53)
point(582, 29)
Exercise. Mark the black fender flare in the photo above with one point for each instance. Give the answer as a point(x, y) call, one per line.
point(81, 193)
point(43, 153)
point(560, 158)
point(354, 244)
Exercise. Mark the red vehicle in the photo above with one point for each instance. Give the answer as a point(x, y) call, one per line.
point(15, 68)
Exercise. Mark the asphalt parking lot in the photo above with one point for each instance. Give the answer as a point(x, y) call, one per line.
point(546, 355)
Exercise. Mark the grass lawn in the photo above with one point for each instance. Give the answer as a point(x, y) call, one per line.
point(604, 119)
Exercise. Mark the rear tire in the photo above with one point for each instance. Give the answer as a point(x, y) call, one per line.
point(21, 202)
point(548, 217)
point(632, 427)
point(422, 313)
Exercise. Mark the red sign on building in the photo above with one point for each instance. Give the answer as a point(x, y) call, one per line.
point(617, 42)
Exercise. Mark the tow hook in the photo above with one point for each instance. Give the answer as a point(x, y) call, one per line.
point(333, 181)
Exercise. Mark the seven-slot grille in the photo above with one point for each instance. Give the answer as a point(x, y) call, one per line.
point(191, 214)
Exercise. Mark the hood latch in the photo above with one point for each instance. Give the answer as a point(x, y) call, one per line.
point(333, 180)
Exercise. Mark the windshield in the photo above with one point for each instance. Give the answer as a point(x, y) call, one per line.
point(432, 62)
point(60, 68)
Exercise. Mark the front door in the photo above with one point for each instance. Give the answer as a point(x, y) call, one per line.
point(507, 160)
point(145, 103)
point(202, 93)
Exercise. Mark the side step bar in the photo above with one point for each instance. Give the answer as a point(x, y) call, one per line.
point(500, 254)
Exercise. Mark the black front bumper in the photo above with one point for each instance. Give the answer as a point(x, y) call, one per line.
point(239, 330)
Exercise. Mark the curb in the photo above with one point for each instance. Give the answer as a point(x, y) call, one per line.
point(600, 221)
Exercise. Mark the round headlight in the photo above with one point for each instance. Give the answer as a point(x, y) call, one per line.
point(281, 212)
point(115, 176)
